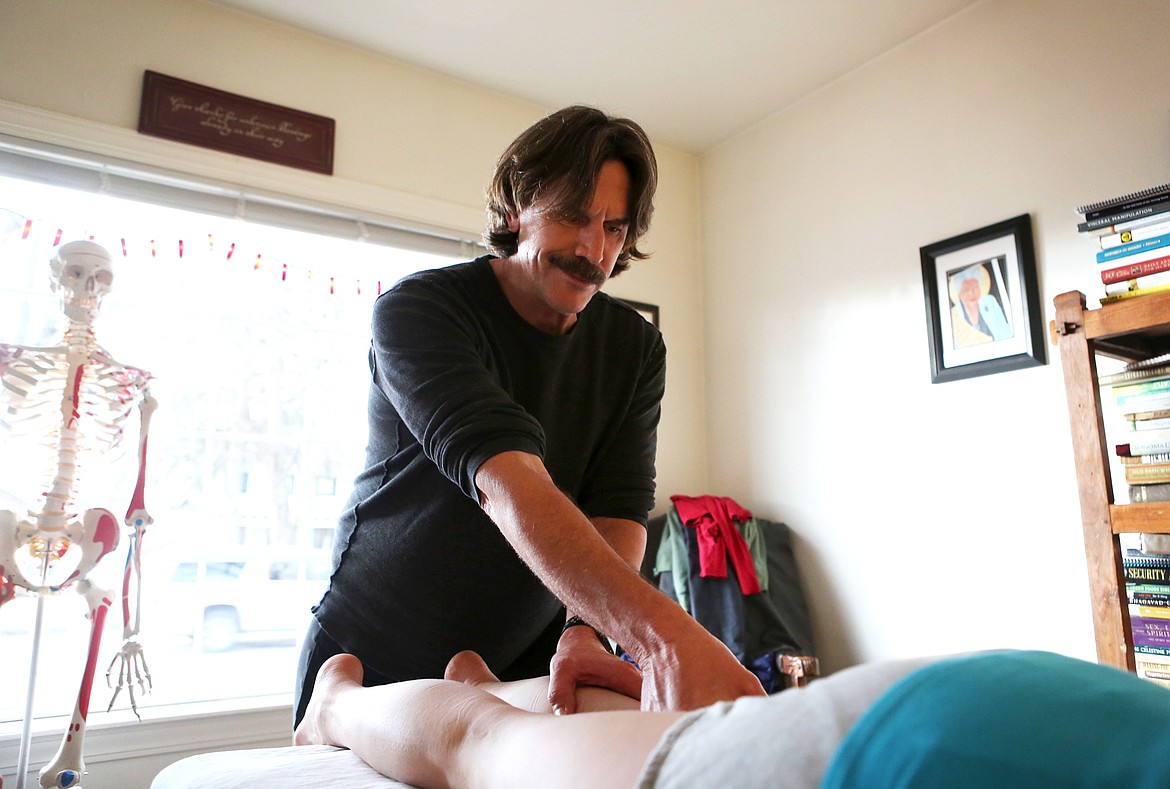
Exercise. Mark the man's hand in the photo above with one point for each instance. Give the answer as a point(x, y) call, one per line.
point(682, 665)
point(693, 671)
point(582, 660)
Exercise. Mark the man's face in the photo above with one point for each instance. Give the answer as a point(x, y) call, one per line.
point(567, 258)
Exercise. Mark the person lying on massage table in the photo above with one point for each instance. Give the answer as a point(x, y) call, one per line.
point(992, 719)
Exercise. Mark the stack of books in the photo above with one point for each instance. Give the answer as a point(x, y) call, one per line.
point(1132, 234)
point(1142, 395)
point(1147, 589)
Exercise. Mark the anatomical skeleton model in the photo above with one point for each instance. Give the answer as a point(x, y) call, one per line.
point(73, 399)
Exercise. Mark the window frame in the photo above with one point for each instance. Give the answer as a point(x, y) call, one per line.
point(115, 157)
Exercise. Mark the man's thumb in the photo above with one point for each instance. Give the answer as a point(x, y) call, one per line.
point(562, 697)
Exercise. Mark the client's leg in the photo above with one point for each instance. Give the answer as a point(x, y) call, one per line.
point(437, 733)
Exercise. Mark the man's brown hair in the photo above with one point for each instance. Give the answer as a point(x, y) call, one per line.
point(557, 160)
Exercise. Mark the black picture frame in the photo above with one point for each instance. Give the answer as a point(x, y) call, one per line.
point(648, 311)
point(1002, 328)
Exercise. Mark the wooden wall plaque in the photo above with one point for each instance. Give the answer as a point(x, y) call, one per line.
point(184, 111)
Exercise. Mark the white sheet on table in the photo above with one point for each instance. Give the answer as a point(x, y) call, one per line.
point(292, 767)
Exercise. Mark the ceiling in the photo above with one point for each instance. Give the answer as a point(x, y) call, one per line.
point(692, 73)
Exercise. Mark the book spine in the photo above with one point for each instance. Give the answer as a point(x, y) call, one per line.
point(1111, 240)
point(1146, 575)
point(1159, 600)
point(1152, 361)
point(1149, 612)
point(1150, 632)
point(1132, 450)
point(1135, 270)
point(1156, 413)
point(1161, 423)
point(1161, 457)
point(1148, 413)
point(1155, 492)
point(1151, 599)
point(1134, 200)
point(1123, 216)
point(1145, 282)
point(1131, 224)
point(1148, 589)
point(1130, 294)
point(1138, 374)
point(1149, 401)
point(1153, 671)
point(1137, 473)
point(1142, 387)
point(1133, 248)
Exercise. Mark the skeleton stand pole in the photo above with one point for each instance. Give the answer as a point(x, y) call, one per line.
point(26, 728)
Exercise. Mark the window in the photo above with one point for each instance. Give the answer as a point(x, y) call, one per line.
point(256, 338)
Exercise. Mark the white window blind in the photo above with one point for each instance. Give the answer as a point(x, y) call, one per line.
point(46, 163)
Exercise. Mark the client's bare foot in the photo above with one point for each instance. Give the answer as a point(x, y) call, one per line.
point(469, 668)
point(338, 673)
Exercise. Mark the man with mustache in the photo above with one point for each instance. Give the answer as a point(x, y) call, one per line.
point(513, 412)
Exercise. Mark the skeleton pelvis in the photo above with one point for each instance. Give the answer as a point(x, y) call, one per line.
point(49, 561)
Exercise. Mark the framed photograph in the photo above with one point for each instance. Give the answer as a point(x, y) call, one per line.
point(648, 311)
point(983, 302)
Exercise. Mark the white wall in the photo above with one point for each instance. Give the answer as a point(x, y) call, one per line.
point(931, 518)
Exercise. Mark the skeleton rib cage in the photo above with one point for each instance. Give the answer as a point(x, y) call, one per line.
point(31, 416)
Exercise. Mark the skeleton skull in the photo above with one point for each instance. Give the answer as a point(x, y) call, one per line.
point(82, 273)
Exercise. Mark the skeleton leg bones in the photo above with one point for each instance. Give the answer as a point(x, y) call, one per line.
point(67, 766)
point(97, 534)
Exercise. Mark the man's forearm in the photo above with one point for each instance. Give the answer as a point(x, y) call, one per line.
point(626, 537)
point(591, 566)
point(628, 540)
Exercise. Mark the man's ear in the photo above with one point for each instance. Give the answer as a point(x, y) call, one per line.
point(513, 223)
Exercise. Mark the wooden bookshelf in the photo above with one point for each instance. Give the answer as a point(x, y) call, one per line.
point(1128, 330)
